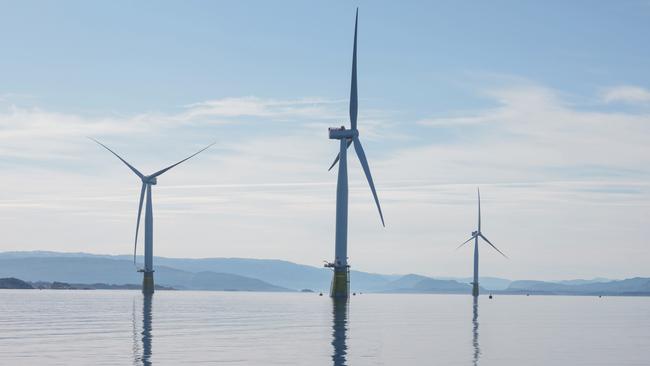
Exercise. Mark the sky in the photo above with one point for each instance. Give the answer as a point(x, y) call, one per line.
point(543, 105)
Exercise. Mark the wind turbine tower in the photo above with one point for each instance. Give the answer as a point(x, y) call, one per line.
point(147, 182)
point(340, 287)
point(476, 235)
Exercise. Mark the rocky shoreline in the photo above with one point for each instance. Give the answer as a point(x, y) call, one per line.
point(17, 284)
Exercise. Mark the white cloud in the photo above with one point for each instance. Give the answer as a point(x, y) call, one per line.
point(555, 179)
point(627, 94)
point(451, 121)
point(532, 134)
point(32, 133)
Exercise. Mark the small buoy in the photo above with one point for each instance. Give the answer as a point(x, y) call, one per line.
point(490, 296)
point(527, 294)
point(354, 294)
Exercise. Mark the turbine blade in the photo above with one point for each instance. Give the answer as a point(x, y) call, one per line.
point(495, 248)
point(119, 157)
point(353, 86)
point(479, 208)
point(160, 172)
point(137, 225)
point(465, 242)
point(336, 160)
point(366, 169)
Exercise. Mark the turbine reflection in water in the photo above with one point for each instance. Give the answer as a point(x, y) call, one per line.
point(477, 349)
point(339, 331)
point(142, 356)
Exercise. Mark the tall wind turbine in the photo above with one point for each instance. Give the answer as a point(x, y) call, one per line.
point(341, 280)
point(476, 235)
point(147, 182)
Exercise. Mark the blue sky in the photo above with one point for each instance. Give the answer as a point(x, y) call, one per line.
point(546, 106)
point(417, 56)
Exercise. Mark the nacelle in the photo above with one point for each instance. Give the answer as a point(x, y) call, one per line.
point(341, 133)
point(153, 180)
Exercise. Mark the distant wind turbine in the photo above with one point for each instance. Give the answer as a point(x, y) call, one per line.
point(475, 235)
point(147, 182)
point(341, 279)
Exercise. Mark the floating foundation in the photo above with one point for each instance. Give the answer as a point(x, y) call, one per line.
point(147, 282)
point(340, 283)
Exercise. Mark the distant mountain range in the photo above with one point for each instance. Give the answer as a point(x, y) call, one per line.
point(99, 269)
point(420, 284)
point(241, 274)
point(630, 286)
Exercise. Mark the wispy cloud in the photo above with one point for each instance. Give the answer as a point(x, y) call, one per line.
point(627, 94)
point(314, 108)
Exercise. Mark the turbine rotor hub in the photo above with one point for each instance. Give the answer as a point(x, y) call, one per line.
point(151, 180)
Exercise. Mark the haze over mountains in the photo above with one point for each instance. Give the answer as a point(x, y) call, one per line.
point(240, 274)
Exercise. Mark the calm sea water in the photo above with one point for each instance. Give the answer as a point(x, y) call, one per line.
point(226, 328)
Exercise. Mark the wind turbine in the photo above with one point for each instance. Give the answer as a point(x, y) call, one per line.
point(340, 287)
point(476, 235)
point(147, 182)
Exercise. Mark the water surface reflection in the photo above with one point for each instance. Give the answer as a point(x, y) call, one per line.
point(477, 348)
point(142, 355)
point(100, 327)
point(339, 331)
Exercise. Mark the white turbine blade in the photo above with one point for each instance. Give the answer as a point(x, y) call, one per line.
point(338, 157)
point(478, 191)
point(353, 86)
point(366, 169)
point(137, 225)
point(495, 248)
point(119, 157)
point(160, 172)
point(465, 242)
